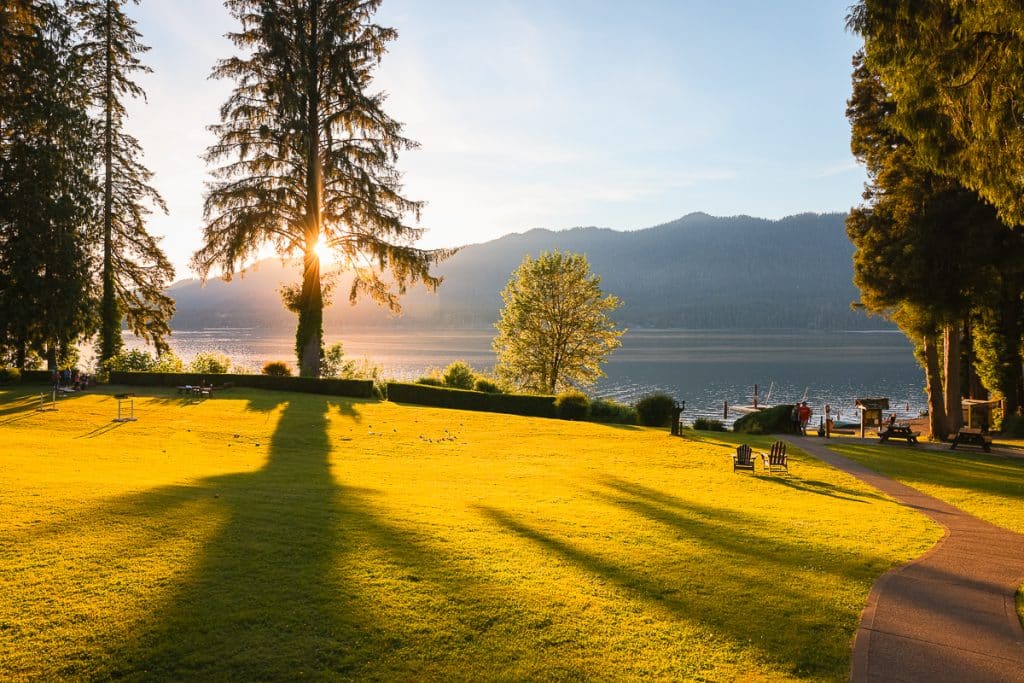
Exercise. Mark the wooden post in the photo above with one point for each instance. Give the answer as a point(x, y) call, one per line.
point(725, 410)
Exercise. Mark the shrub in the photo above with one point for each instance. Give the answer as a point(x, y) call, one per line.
point(487, 386)
point(167, 362)
point(357, 388)
point(708, 424)
point(277, 368)
point(211, 363)
point(10, 375)
point(445, 397)
point(774, 420)
point(655, 410)
point(459, 375)
point(606, 410)
point(130, 361)
point(572, 405)
point(1013, 426)
point(430, 381)
point(333, 361)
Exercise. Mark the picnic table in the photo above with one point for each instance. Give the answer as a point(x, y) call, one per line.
point(897, 432)
point(969, 436)
point(195, 390)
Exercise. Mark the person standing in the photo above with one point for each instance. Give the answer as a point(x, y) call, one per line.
point(828, 421)
point(805, 416)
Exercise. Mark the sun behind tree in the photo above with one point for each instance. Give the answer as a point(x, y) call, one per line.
point(554, 332)
point(308, 160)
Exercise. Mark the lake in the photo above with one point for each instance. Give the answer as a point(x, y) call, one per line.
point(703, 368)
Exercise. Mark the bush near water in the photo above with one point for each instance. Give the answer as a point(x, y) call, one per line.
point(607, 410)
point(774, 420)
point(655, 410)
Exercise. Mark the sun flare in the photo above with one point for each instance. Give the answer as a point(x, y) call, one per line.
point(323, 252)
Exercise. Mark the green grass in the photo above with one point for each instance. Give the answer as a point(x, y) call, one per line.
point(989, 487)
point(269, 535)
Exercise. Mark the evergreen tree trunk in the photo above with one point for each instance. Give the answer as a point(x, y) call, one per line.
point(1012, 330)
point(110, 321)
point(933, 380)
point(21, 352)
point(954, 411)
point(973, 388)
point(310, 333)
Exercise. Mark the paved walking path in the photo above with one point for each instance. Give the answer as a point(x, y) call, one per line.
point(949, 615)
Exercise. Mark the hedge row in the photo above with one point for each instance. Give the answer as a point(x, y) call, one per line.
point(463, 399)
point(358, 388)
point(36, 376)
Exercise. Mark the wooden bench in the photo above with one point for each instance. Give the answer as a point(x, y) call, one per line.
point(744, 459)
point(898, 432)
point(968, 436)
point(776, 459)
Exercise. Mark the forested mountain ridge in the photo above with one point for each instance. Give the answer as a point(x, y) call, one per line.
point(695, 272)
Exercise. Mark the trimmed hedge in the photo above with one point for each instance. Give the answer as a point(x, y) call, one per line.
point(357, 388)
point(774, 420)
point(36, 376)
point(463, 399)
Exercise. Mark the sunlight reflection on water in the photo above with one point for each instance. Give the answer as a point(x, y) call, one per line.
point(704, 368)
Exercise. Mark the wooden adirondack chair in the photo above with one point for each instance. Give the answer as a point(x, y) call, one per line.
point(744, 459)
point(776, 460)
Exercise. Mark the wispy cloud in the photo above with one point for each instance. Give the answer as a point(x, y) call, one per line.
point(838, 168)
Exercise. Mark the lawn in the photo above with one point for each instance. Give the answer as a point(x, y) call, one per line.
point(268, 535)
point(988, 486)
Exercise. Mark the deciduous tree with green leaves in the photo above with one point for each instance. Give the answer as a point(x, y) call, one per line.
point(308, 159)
point(554, 331)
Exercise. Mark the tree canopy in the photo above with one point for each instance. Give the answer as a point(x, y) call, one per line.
point(134, 271)
point(48, 187)
point(930, 253)
point(308, 159)
point(953, 69)
point(554, 331)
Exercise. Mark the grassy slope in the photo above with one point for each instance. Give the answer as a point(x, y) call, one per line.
point(989, 487)
point(264, 535)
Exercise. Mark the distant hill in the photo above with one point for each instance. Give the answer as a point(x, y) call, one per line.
point(696, 272)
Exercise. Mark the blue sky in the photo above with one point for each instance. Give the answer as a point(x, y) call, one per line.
point(556, 113)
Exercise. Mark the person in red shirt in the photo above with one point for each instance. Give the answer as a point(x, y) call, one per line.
point(805, 417)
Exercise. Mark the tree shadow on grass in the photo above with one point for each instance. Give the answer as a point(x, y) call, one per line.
point(824, 488)
point(258, 599)
point(740, 610)
point(954, 469)
point(294, 583)
point(759, 583)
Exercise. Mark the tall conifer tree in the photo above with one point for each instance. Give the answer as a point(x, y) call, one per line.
point(923, 241)
point(46, 188)
point(134, 271)
point(309, 157)
point(954, 71)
